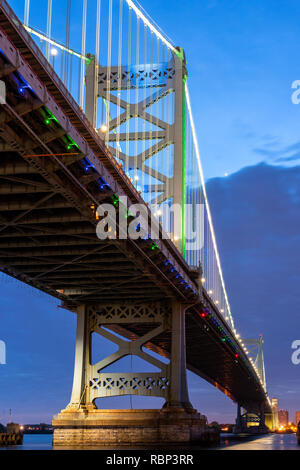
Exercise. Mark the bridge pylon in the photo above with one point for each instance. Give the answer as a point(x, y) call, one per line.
point(254, 418)
point(132, 327)
point(251, 420)
point(160, 83)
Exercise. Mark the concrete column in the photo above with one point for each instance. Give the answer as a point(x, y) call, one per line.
point(178, 391)
point(91, 80)
point(82, 360)
point(269, 421)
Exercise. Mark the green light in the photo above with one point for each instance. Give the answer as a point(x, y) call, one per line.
point(69, 146)
point(49, 117)
point(115, 199)
point(180, 54)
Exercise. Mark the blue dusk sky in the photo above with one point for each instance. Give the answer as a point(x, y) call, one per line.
point(243, 56)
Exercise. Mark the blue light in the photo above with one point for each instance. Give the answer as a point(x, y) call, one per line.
point(89, 163)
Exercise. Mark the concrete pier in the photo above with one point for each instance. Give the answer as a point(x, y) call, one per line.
point(123, 427)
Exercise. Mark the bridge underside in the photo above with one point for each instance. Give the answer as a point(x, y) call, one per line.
point(204, 357)
point(48, 199)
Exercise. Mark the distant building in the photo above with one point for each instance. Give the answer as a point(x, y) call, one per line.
point(275, 412)
point(297, 417)
point(275, 404)
point(283, 417)
point(41, 428)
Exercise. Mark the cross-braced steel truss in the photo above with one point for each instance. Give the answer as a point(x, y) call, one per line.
point(160, 80)
point(93, 381)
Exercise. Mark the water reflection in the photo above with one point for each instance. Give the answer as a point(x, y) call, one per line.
point(228, 442)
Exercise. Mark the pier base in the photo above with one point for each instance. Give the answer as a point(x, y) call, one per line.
point(123, 427)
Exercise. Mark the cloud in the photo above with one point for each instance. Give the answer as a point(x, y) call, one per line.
point(256, 214)
point(273, 152)
point(292, 158)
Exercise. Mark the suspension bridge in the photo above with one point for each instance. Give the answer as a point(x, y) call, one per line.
point(96, 113)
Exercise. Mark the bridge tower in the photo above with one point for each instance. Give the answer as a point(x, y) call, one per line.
point(177, 421)
point(119, 86)
point(253, 418)
point(82, 423)
point(272, 418)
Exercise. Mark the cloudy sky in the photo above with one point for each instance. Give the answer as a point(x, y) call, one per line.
point(242, 59)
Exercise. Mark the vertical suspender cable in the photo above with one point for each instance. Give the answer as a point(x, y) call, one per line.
point(144, 122)
point(108, 84)
point(26, 12)
point(67, 41)
point(49, 20)
point(62, 66)
point(97, 48)
point(136, 127)
point(71, 75)
point(82, 61)
point(120, 50)
point(128, 90)
point(79, 81)
point(97, 55)
point(210, 222)
point(151, 114)
point(163, 117)
point(167, 189)
point(158, 155)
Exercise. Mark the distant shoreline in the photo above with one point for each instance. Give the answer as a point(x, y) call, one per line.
point(37, 432)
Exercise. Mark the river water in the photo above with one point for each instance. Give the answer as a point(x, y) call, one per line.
point(228, 442)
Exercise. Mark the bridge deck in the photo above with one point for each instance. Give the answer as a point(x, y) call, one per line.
point(57, 195)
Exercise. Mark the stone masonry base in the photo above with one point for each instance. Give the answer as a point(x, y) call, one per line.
point(110, 427)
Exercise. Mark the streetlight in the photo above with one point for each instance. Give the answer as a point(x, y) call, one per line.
point(104, 128)
point(53, 53)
